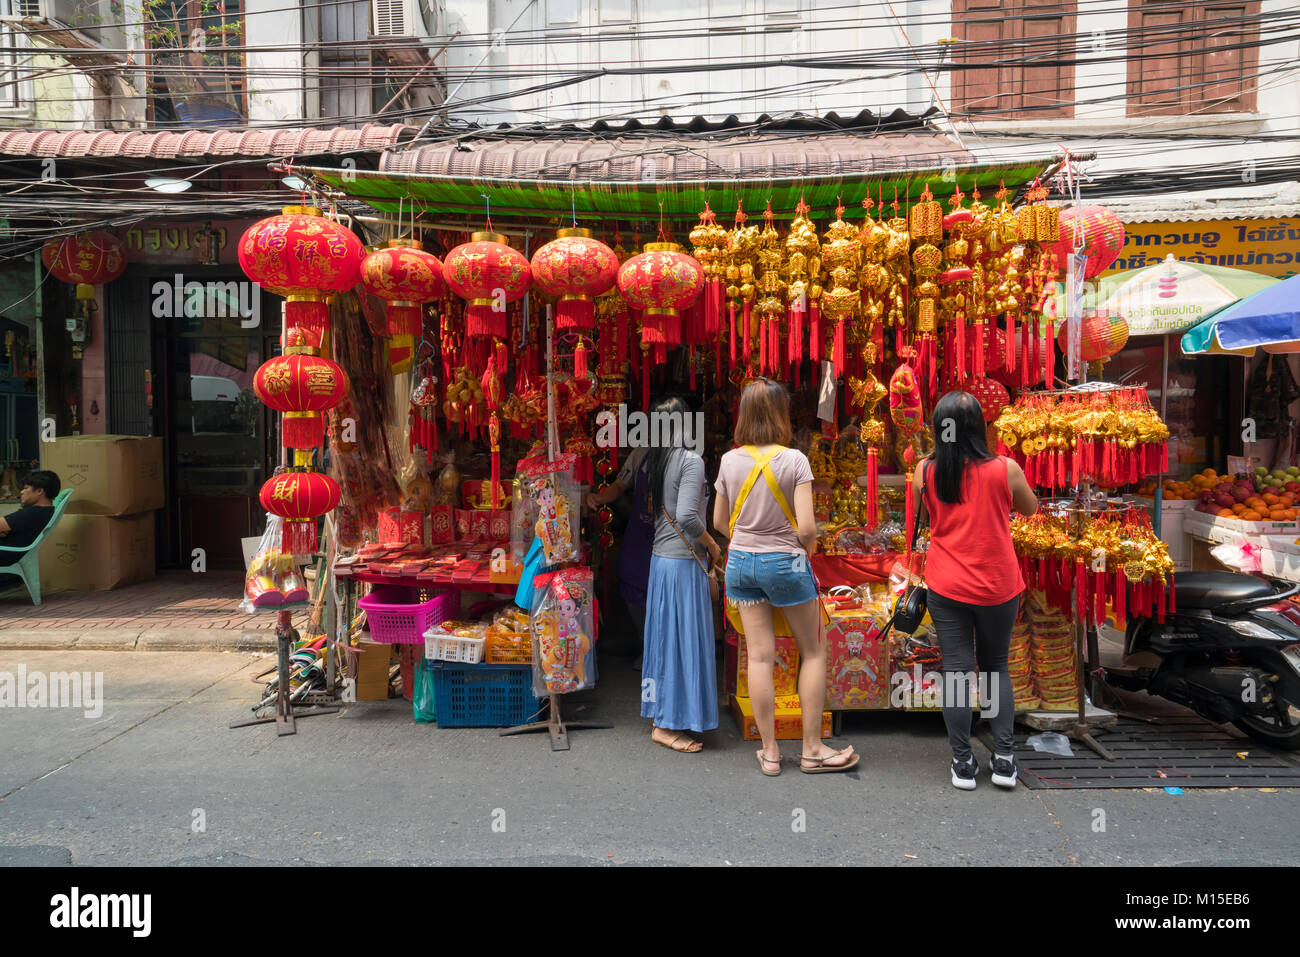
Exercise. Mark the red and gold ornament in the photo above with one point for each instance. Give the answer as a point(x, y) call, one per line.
point(301, 384)
point(85, 260)
point(299, 496)
point(489, 275)
point(575, 268)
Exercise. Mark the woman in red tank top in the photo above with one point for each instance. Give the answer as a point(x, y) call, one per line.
point(973, 577)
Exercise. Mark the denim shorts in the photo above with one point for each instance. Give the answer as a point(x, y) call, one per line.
point(780, 578)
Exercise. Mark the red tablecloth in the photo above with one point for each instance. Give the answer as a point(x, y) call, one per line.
point(853, 570)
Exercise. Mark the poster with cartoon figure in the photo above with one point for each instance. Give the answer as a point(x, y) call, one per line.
point(545, 506)
point(564, 632)
point(857, 674)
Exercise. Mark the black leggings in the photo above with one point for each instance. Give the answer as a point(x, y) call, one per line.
point(966, 632)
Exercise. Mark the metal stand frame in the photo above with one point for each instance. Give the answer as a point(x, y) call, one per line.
point(289, 706)
point(556, 725)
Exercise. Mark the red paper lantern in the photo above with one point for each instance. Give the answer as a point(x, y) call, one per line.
point(661, 283)
point(405, 277)
point(1102, 333)
point(302, 385)
point(85, 260)
point(576, 269)
point(993, 395)
point(489, 275)
point(1102, 234)
point(299, 496)
point(302, 256)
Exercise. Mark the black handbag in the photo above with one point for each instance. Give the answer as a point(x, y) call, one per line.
point(909, 610)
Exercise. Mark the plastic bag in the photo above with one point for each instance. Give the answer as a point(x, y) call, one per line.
point(422, 700)
point(271, 580)
point(563, 622)
point(1051, 742)
point(1242, 556)
point(550, 488)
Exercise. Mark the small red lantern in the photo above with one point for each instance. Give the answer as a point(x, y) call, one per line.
point(489, 275)
point(302, 385)
point(576, 269)
point(85, 260)
point(299, 496)
point(302, 256)
point(405, 277)
point(1102, 234)
point(993, 395)
point(661, 283)
point(1102, 333)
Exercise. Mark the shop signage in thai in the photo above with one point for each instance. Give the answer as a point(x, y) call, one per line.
point(1268, 246)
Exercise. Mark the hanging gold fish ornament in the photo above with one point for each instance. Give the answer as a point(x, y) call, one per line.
point(841, 256)
point(873, 283)
point(802, 268)
point(741, 250)
point(770, 304)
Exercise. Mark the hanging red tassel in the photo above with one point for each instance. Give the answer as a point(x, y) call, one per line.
point(745, 314)
point(1160, 602)
point(873, 488)
point(959, 346)
point(815, 337)
point(909, 503)
point(1049, 354)
point(1172, 604)
point(762, 346)
point(580, 361)
point(1100, 585)
point(733, 335)
point(302, 430)
point(838, 348)
point(1009, 362)
point(1080, 589)
point(979, 349)
point(645, 380)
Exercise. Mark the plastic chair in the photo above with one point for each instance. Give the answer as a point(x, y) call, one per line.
point(28, 567)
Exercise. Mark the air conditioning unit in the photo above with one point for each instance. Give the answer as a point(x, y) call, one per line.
point(417, 19)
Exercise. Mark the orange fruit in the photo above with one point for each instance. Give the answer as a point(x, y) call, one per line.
point(1225, 513)
point(1270, 498)
point(1208, 473)
point(1238, 508)
point(1250, 515)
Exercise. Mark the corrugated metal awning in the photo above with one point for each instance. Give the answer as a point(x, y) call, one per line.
point(200, 144)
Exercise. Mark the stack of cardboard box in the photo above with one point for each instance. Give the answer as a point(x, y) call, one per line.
point(106, 537)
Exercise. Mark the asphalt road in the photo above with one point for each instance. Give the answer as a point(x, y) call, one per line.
point(370, 786)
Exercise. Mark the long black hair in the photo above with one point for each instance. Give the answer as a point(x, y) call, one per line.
point(958, 424)
point(667, 441)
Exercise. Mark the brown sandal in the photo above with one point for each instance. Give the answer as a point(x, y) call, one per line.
point(821, 767)
point(676, 742)
point(764, 761)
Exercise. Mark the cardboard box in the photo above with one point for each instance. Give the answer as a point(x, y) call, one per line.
point(91, 552)
point(857, 666)
point(108, 474)
point(1215, 529)
point(789, 725)
point(785, 668)
point(373, 664)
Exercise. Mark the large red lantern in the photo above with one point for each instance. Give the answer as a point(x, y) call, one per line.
point(299, 496)
point(661, 283)
point(575, 268)
point(1101, 233)
point(302, 385)
point(489, 275)
point(85, 260)
point(302, 256)
point(405, 277)
point(1102, 334)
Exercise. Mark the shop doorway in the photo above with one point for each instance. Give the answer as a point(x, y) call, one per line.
point(183, 370)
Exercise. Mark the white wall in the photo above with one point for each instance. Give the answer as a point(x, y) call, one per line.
point(274, 76)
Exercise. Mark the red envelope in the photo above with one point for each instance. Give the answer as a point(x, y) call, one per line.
point(443, 525)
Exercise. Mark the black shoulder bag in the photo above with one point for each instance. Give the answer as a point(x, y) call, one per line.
point(909, 610)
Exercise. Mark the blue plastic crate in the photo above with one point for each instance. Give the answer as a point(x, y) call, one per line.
point(482, 696)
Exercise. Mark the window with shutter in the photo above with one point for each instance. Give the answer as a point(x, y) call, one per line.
point(1192, 59)
point(1013, 56)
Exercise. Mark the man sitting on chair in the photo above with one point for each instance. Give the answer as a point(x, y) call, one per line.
point(19, 529)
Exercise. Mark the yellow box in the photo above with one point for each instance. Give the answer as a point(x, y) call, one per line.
point(785, 668)
point(789, 725)
point(509, 575)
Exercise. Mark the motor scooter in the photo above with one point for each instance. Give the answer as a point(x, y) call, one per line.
point(1230, 652)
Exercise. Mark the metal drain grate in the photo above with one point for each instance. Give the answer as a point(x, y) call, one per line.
point(1192, 754)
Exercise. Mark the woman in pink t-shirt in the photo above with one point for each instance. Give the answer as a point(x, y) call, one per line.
point(764, 506)
point(973, 576)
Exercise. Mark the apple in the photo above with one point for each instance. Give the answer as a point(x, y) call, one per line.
point(1293, 470)
point(1225, 500)
point(1240, 494)
point(1292, 486)
point(1206, 497)
point(1223, 487)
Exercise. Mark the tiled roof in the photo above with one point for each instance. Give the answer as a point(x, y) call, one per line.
point(198, 144)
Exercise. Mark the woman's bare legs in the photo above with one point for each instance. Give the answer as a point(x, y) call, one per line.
point(805, 622)
point(760, 648)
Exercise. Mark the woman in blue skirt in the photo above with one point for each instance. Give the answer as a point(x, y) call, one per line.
point(678, 677)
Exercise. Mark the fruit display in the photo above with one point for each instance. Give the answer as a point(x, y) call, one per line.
point(1269, 497)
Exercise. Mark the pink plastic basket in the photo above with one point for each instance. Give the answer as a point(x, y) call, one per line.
point(396, 620)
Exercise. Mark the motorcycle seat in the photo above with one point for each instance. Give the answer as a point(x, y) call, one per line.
point(1212, 589)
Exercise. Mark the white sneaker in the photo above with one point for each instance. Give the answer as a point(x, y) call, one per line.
point(963, 775)
point(1004, 772)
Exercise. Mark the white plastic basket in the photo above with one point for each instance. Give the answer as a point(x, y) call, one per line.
point(441, 646)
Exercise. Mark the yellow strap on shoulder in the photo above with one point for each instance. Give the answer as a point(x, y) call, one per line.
point(761, 467)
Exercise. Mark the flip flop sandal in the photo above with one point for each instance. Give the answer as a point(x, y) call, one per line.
point(763, 762)
point(672, 744)
point(821, 767)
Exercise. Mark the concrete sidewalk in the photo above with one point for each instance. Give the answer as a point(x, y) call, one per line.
point(177, 611)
